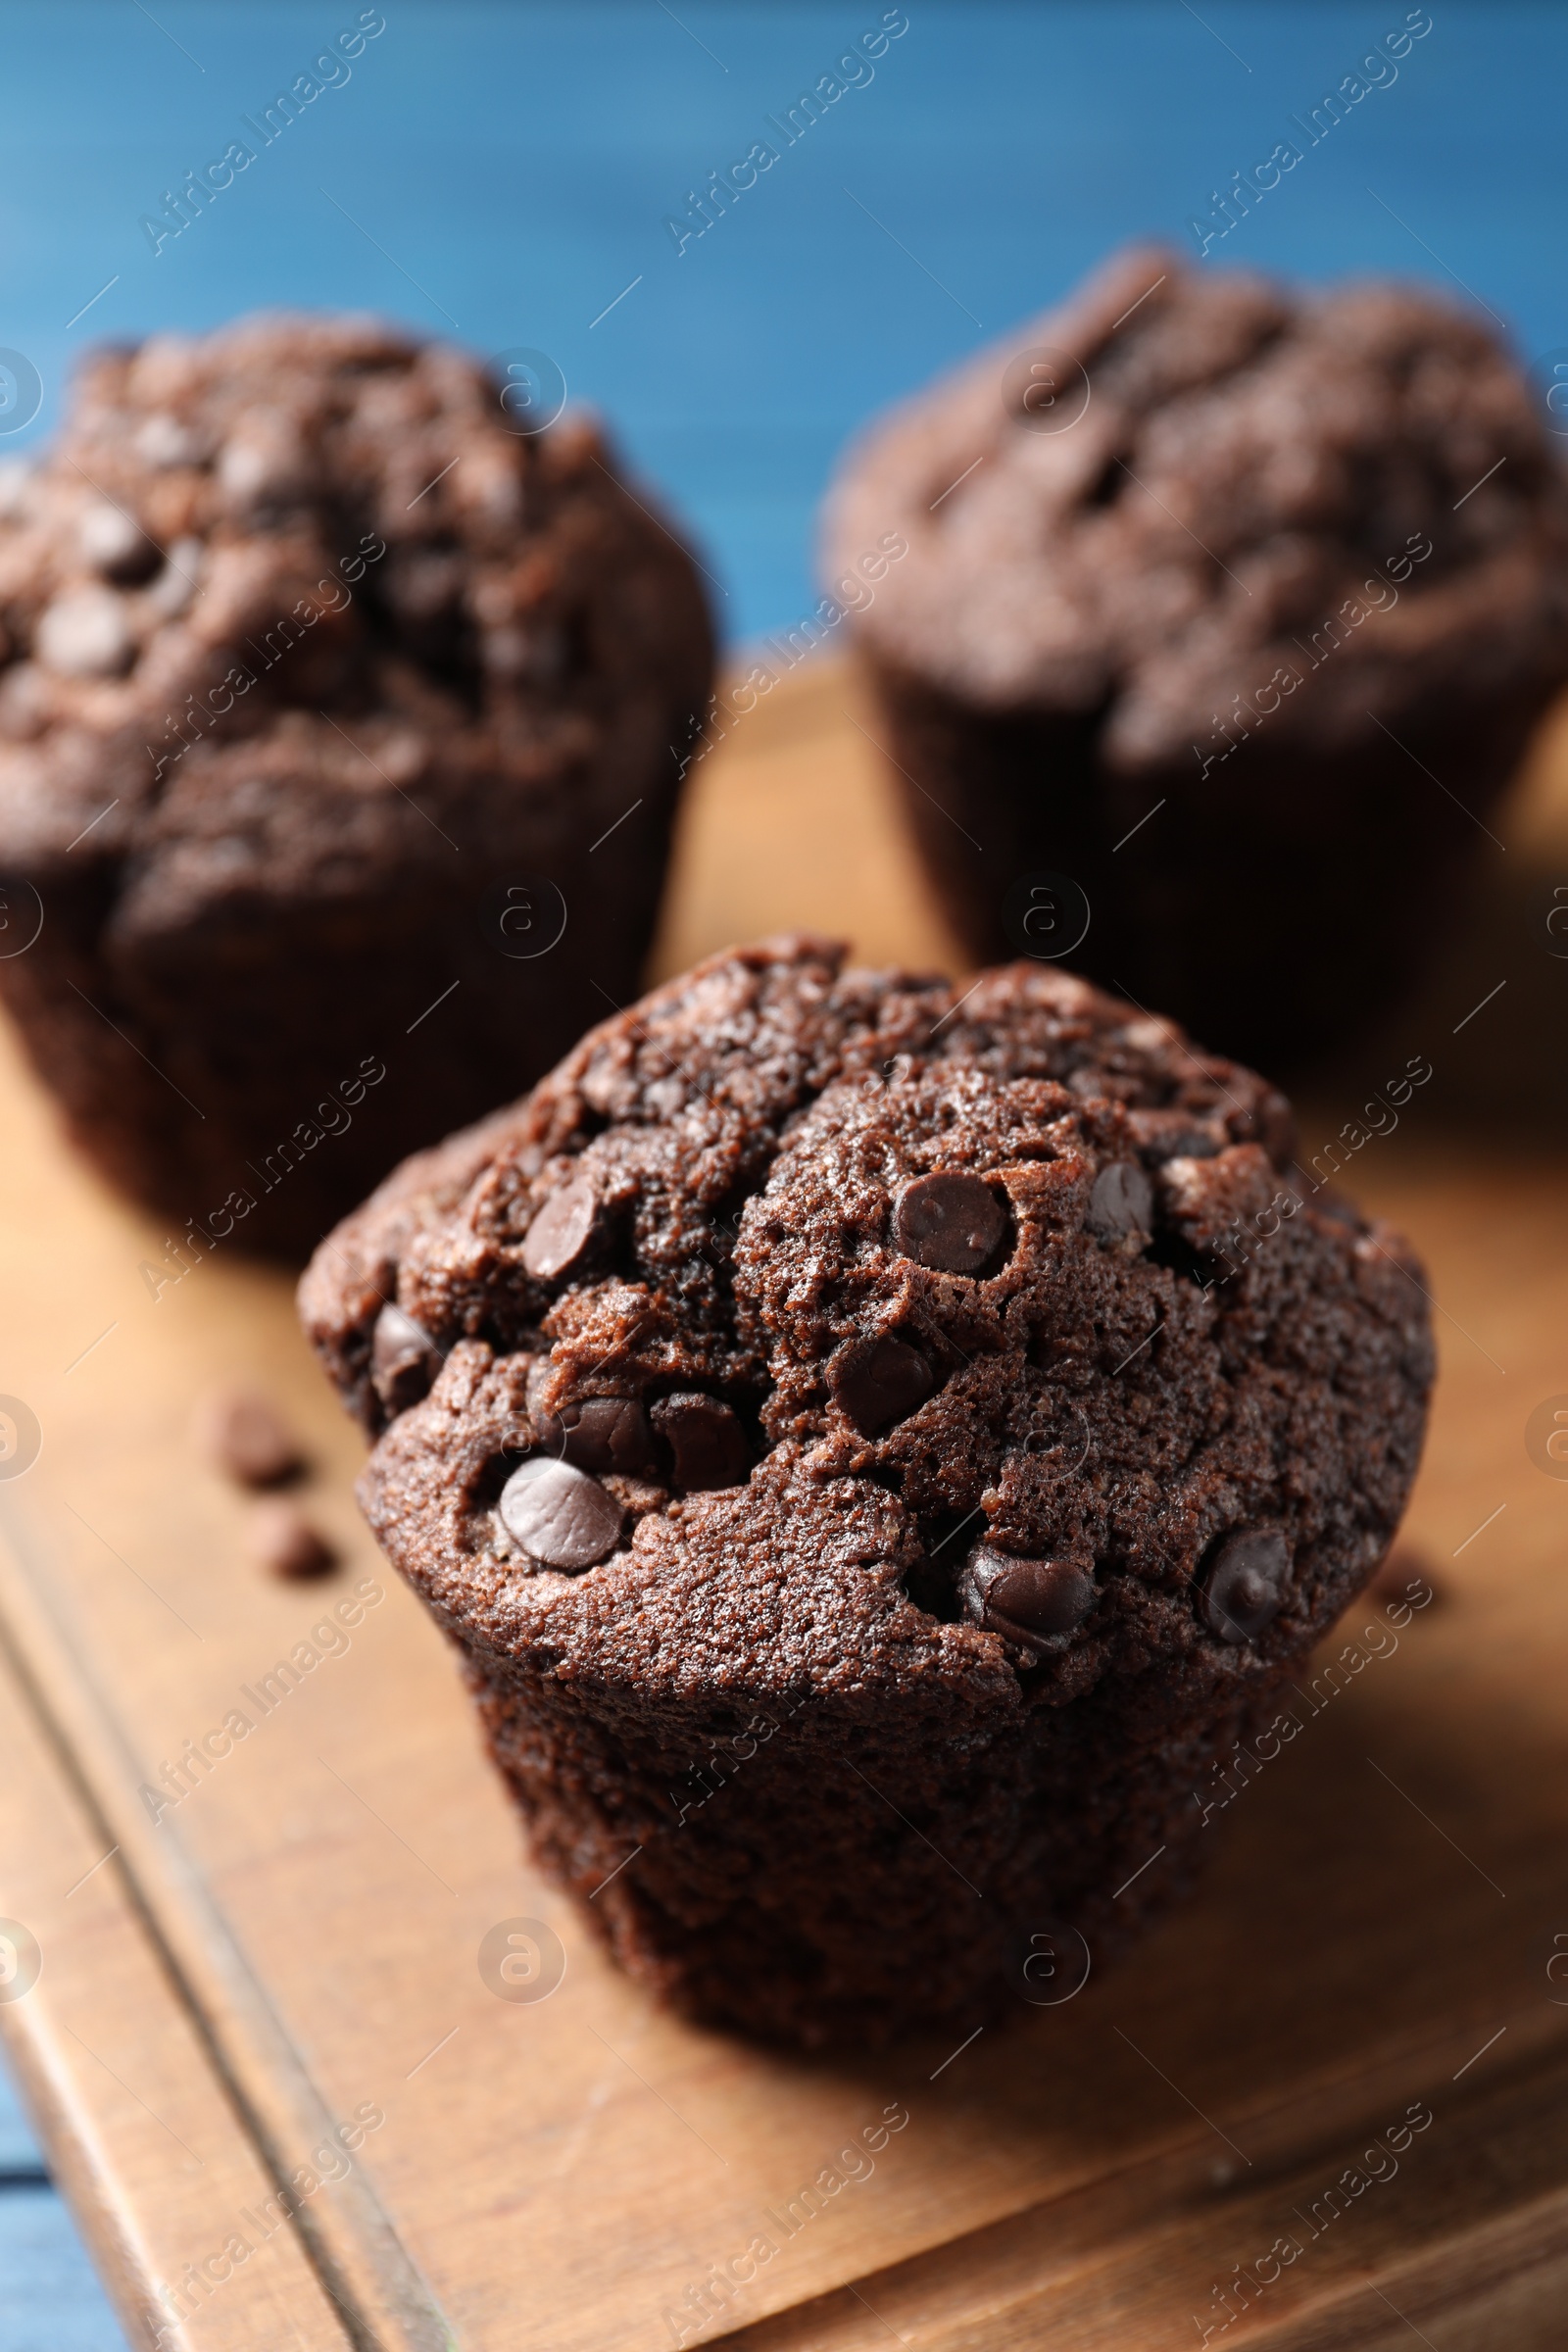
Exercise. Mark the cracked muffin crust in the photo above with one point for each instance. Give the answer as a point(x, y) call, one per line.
point(305, 658)
point(937, 1421)
point(1242, 567)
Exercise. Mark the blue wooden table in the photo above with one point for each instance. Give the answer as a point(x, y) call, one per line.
point(49, 2299)
point(545, 177)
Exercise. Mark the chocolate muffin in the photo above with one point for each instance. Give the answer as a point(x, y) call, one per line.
point(876, 1453)
point(340, 725)
point(1232, 606)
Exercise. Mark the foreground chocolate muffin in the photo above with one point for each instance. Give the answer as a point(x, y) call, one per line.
point(875, 1451)
point(340, 726)
point(1234, 608)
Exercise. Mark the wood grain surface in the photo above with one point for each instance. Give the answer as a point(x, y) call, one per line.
point(294, 1943)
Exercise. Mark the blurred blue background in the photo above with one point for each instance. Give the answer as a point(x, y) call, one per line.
point(504, 173)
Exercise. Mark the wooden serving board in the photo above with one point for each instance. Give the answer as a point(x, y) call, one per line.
point(277, 1980)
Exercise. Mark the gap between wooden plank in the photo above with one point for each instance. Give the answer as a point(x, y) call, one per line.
point(373, 2283)
point(983, 2312)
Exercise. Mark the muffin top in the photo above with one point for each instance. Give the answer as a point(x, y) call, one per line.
point(1186, 482)
point(281, 600)
point(825, 1330)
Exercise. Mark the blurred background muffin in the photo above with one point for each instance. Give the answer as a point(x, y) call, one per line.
point(1228, 610)
point(343, 706)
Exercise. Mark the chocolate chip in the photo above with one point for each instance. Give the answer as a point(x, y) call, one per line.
point(879, 1382)
point(403, 1360)
point(1121, 1202)
point(562, 1517)
point(85, 634)
point(1027, 1599)
point(282, 1540)
point(599, 1432)
point(951, 1223)
point(562, 1230)
point(115, 545)
point(264, 461)
point(1176, 1134)
point(707, 1441)
point(248, 1438)
point(1244, 1586)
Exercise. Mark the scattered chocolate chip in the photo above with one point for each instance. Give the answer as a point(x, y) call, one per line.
point(403, 1360)
point(1244, 1585)
point(1406, 1575)
point(951, 1223)
point(1121, 1202)
point(246, 1437)
point(707, 1441)
point(562, 1230)
point(1027, 1599)
point(281, 1539)
point(879, 1382)
point(560, 1516)
point(601, 1432)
